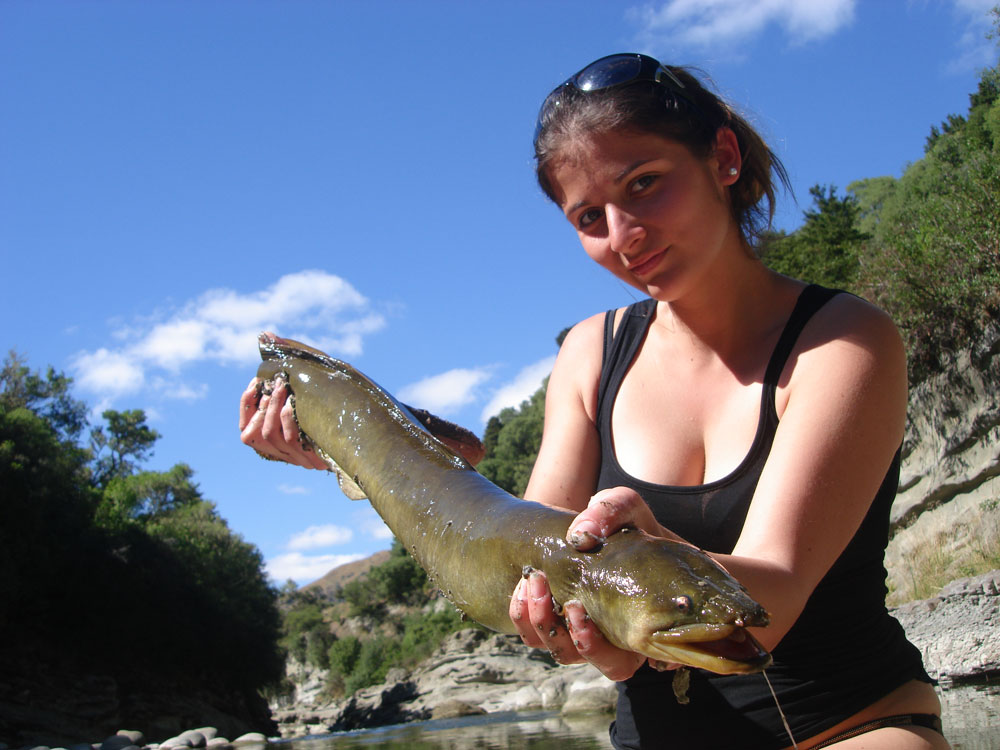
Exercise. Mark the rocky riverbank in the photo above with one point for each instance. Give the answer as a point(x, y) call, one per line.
point(958, 631)
point(473, 672)
point(130, 739)
point(945, 522)
point(44, 705)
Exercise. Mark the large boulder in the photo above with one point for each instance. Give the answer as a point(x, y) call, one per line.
point(957, 631)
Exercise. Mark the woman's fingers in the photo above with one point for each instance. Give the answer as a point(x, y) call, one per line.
point(293, 438)
point(267, 424)
point(533, 613)
point(571, 636)
point(248, 403)
point(548, 624)
point(607, 512)
point(615, 663)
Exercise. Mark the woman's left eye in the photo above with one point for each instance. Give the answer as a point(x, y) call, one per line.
point(641, 183)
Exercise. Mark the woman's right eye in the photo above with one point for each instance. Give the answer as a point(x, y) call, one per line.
point(588, 217)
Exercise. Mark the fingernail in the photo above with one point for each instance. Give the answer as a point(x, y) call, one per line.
point(575, 616)
point(585, 535)
point(536, 585)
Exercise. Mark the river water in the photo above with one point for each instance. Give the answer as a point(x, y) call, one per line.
point(971, 718)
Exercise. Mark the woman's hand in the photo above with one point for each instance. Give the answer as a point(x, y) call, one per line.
point(571, 636)
point(610, 510)
point(267, 425)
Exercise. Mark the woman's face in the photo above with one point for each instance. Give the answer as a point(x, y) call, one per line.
point(647, 209)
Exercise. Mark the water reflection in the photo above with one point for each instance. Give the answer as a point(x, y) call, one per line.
point(971, 717)
point(500, 731)
point(971, 720)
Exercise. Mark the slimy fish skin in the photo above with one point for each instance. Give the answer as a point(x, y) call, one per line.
point(666, 600)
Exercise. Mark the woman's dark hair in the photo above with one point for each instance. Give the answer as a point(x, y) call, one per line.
point(691, 118)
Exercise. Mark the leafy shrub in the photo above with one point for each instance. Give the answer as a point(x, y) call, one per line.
point(375, 657)
point(343, 654)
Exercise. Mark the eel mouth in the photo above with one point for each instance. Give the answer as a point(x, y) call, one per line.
point(724, 649)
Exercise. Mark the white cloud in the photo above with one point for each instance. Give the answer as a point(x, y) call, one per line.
point(221, 326)
point(975, 49)
point(292, 489)
point(305, 568)
point(708, 23)
point(108, 372)
point(525, 383)
point(179, 390)
point(372, 524)
point(316, 537)
point(445, 393)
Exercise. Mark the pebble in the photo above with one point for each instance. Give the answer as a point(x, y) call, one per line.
point(192, 738)
point(203, 737)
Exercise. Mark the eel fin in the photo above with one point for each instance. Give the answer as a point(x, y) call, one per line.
point(349, 486)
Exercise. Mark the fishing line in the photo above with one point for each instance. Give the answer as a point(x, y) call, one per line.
point(784, 721)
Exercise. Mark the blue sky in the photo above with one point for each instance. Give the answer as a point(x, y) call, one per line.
point(177, 176)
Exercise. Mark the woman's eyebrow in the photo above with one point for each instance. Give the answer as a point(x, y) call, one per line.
point(631, 168)
point(621, 176)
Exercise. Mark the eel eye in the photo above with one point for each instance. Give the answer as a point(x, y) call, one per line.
point(683, 604)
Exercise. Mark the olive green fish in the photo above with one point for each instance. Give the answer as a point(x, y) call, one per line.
point(668, 601)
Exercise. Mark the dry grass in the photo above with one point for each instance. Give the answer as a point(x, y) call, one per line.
point(966, 549)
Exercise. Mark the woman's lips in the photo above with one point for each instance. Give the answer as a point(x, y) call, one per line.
point(647, 264)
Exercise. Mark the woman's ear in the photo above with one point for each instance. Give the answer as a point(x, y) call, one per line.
point(728, 159)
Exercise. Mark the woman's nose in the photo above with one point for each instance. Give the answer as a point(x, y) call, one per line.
point(624, 231)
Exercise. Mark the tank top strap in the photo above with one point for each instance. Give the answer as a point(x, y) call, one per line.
point(620, 347)
point(812, 298)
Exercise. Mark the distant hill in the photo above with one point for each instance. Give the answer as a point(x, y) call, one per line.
point(336, 578)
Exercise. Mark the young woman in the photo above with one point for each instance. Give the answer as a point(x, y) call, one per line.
point(742, 411)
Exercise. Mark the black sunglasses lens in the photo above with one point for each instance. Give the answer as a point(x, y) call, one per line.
point(609, 71)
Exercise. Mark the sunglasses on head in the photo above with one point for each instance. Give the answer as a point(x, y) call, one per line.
point(609, 72)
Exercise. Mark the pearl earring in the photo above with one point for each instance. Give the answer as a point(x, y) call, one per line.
point(733, 171)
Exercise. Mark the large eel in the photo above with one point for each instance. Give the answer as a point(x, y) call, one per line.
point(668, 601)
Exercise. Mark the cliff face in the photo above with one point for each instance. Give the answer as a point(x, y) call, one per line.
point(946, 518)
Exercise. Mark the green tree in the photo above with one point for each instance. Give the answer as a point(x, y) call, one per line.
point(306, 634)
point(343, 656)
point(400, 579)
point(237, 605)
point(127, 442)
point(375, 657)
point(872, 194)
point(934, 262)
point(73, 589)
point(826, 248)
point(46, 504)
point(131, 495)
point(140, 497)
point(47, 397)
point(513, 438)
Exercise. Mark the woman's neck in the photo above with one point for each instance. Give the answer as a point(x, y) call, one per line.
point(731, 311)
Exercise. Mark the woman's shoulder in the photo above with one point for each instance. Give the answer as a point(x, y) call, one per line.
point(847, 317)
point(850, 336)
point(582, 337)
point(577, 370)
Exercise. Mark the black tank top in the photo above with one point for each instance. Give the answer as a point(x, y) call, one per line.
point(843, 652)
